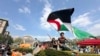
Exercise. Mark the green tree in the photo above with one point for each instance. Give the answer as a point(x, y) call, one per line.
point(9, 39)
point(1, 38)
point(6, 39)
point(18, 40)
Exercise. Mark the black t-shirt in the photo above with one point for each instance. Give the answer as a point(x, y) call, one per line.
point(62, 40)
point(53, 42)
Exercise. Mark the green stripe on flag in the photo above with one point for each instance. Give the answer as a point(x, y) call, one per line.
point(63, 28)
point(81, 34)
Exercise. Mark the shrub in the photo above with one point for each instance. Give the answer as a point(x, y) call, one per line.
point(84, 54)
point(50, 52)
point(41, 53)
point(27, 50)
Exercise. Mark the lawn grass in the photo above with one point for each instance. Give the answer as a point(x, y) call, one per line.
point(83, 54)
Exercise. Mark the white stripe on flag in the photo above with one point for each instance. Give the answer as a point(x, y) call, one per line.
point(68, 26)
point(58, 20)
point(54, 25)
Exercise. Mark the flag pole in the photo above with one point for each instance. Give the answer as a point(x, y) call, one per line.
point(54, 28)
point(49, 36)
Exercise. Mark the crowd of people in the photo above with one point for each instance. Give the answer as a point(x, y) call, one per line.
point(18, 53)
point(89, 49)
point(5, 50)
point(60, 43)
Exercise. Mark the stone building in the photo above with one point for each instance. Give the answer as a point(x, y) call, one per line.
point(3, 26)
point(28, 39)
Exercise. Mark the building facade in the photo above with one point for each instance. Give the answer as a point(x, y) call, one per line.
point(3, 26)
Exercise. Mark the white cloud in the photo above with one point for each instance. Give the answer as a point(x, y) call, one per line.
point(47, 38)
point(95, 29)
point(95, 10)
point(25, 10)
point(44, 38)
point(19, 27)
point(82, 20)
point(46, 10)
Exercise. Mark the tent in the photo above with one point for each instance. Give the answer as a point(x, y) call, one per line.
point(25, 45)
point(89, 42)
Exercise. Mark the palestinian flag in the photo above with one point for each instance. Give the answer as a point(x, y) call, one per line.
point(61, 19)
point(80, 34)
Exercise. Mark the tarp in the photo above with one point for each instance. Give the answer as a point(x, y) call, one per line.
point(89, 42)
point(26, 45)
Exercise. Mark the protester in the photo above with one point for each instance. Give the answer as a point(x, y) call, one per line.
point(54, 43)
point(92, 49)
point(36, 42)
point(8, 50)
point(62, 40)
point(3, 48)
point(14, 53)
point(1, 53)
point(81, 50)
point(23, 53)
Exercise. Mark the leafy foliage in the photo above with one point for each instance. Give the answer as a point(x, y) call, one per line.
point(27, 50)
point(6, 39)
point(84, 54)
point(18, 40)
point(41, 53)
point(50, 52)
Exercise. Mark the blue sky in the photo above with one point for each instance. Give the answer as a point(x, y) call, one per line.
point(28, 17)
